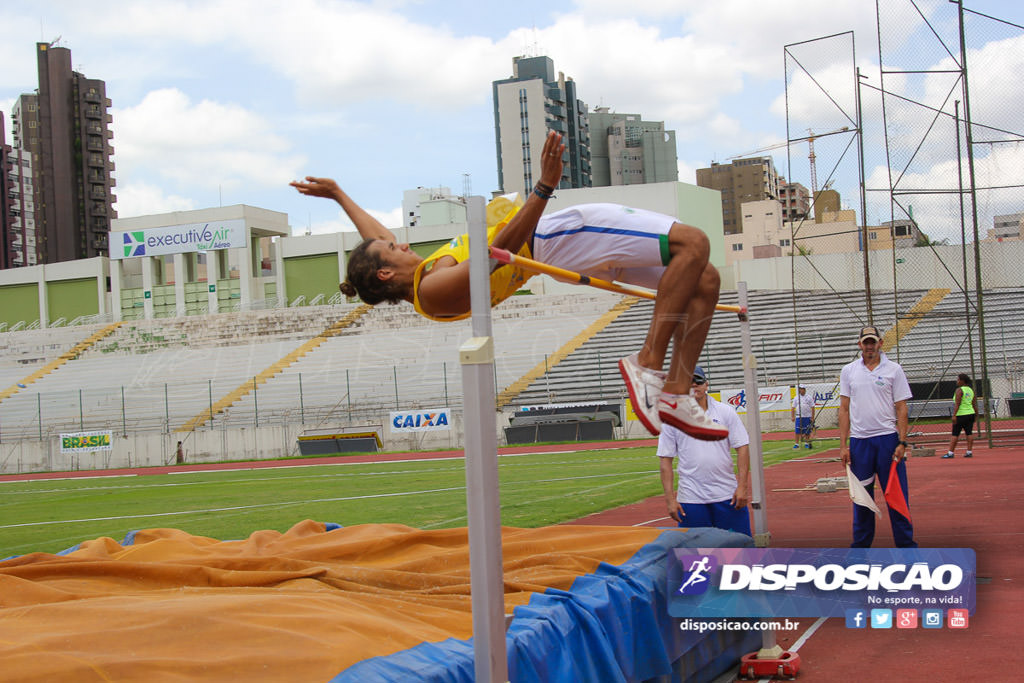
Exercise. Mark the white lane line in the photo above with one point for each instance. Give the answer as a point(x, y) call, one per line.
point(652, 521)
point(235, 507)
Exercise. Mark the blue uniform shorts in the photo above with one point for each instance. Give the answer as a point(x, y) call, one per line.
point(802, 425)
point(721, 515)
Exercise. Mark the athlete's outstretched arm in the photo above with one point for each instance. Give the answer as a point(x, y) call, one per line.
point(368, 226)
point(522, 225)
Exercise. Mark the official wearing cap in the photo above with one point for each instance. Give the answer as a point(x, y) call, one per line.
point(802, 413)
point(708, 493)
point(873, 393)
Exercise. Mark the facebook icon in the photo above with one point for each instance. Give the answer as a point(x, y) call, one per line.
point(856, 618)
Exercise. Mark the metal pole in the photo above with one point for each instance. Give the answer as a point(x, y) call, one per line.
point(974, 216)
point(39, 414)
point(963, 240)
point(124, 416)
point(394, 376)
point(481, 453)
point(255, 402)
point(863, 205)
point(302, 406)
point(167, 412)
point(209, 391)
point(348, 394)
point(81, 414)
point(769, 646)
point(444, 372)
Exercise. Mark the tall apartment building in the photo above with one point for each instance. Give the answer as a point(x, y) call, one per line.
point(744, 180)
point(795, 199)
point(65, 129)
point(6, 192)
point(526, 107)
point(17, 205)
point(626, 150)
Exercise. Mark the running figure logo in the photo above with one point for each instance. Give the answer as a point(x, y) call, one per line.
point(697, 570)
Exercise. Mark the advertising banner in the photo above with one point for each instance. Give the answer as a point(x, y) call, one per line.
point(433, 420)
point(825, 395)
point(178, 239)
point(818, 582)
point(771, 399)
point(86, 442)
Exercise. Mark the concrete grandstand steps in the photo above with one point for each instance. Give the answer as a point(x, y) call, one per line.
point(69, 355)
point(825, 333)
point(939, 346)
point(398, 360)
point(224, 329)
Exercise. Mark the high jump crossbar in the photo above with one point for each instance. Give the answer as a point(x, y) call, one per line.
point(507, 257)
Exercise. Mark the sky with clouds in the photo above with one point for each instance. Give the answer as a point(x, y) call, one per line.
point(225, 101)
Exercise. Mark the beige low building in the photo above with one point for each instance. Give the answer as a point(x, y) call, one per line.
point(766, 235)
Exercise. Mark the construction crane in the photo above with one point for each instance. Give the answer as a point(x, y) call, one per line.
point(812, 158)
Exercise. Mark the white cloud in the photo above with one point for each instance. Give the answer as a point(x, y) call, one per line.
point(688, 171)
point(938, 215)
point(142, 199)
point(204, 144)
point(389, 219)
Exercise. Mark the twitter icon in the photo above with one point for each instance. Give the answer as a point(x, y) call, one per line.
point(881, 618)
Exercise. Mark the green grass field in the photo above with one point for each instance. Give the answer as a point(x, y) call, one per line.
point(536, 490)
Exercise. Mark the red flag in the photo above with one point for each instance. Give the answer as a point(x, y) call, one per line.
point(894, 493)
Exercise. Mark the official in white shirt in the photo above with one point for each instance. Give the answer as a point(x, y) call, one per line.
point(873, 393)
point(708, 493)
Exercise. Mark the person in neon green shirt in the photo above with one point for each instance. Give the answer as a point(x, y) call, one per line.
point(963, 415)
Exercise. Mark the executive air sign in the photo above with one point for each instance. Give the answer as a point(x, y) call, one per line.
point(178, 239)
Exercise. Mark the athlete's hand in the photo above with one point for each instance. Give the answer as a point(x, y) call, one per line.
point(317, 187)
point(844, 455)
point(740, 497)
point(551, 160)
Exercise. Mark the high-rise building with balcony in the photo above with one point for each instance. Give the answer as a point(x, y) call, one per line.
point(526, 107)
point(63, 130)
point(626, 150)
point(17, 205)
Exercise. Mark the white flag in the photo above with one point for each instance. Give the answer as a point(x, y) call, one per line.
point(858, 494)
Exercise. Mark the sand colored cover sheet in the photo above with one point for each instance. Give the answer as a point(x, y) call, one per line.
point(305, 605)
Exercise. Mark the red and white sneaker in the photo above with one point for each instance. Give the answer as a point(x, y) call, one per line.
point(685, 414)
point(644, 386)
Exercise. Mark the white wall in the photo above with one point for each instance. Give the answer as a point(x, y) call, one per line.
point(921, 269)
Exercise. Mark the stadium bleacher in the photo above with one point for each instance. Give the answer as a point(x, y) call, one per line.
point(157, 375)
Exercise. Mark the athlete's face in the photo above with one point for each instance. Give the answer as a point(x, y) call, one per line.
point(398, 257)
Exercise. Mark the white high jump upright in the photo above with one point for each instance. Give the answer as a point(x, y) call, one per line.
point(483, 508)
point(769, 645)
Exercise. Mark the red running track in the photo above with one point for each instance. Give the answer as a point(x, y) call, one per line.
point(956, 503)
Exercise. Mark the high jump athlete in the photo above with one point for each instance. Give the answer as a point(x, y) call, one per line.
point(606, 241)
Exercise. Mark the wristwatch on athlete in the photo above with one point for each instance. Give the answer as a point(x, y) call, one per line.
point(904, 444)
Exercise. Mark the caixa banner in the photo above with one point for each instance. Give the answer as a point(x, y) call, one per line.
point(434, 420)
point(817, 582)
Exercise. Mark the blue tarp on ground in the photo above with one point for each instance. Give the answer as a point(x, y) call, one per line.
point(611, 625)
